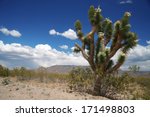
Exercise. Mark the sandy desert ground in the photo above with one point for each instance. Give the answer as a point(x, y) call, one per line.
point(34, 90)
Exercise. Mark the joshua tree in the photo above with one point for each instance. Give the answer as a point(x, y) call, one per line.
point(134, 68)
point(103, 41)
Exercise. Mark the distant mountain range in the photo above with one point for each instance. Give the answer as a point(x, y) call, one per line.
point(60, 68)
point(64, 69)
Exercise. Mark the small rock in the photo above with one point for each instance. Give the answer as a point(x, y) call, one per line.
point(70, 91)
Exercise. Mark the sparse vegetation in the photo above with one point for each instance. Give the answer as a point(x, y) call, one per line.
point(145, 84)
point(41, 75)
point(81, 79)
point(4, 72)
point(114, 87)
point(134, 68)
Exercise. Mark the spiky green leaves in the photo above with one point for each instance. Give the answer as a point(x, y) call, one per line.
point(105, 27)
point(122, 33)
point(101, 41)
point(110, 64)
point(108, 29)
point(79, 34)
point(117, 26)
point(107, 51)
point(94, 15)
point(121, 58)
point(132, 39)
point(78, 25)
point(101, 57)
point(116, 32)
point(76, 50)
point(98, 17)
point(130, 42)
point(78, 28)
point(125, 26)
point(91, 15)
point(125, 19)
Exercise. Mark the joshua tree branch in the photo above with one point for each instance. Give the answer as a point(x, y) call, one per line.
point(97, 50)
point(116, 47)
point(83, 52)
point(92, 48)
point(114, 68)
point(113, 52)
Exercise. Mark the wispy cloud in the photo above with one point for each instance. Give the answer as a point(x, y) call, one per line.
point(70, 34)
point(126, 2)
point(17, 55)
point(13, 33)
point(65, 47)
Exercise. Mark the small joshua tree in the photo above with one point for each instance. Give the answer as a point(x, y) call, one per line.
point(103, 42)
point(134, 68)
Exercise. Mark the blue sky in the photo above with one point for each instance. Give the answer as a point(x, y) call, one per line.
point(31, 23)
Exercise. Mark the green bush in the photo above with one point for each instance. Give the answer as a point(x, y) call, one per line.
point(113, 87)
point(122, 87)
point(4, 72)
point(145, 84)
point(81, 79)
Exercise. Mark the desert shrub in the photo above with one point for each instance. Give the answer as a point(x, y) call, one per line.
point(114, 87)
point(81, 79)
point(45, 77)
point(6, 81)
point(121, 87)
point(58, 77)
point(134, 68)
point(4, 72)
point(22, 74)
point(145, 84)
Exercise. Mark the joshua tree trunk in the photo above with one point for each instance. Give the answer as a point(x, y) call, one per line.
point(111, 38)
point(97, 86)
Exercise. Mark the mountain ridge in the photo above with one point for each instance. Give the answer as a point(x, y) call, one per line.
point(64, 69)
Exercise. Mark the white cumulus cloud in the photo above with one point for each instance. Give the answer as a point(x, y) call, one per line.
point(64, 47)
point(140, 56)
point(16, 55)
point(70, 34)
point(53, 32)
point(13, 33)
